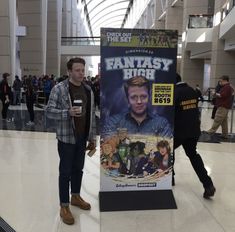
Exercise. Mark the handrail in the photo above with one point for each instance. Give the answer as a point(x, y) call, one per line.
point(85, 40)
point(80, 37)
point(80, 41)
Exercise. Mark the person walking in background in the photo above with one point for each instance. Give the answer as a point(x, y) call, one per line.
point(223, 104)
point(71, 104)
point(217, 89)
point(30, 98)
point(5, 94)
point(47, 87)
point(17, 91)
point(187, 131)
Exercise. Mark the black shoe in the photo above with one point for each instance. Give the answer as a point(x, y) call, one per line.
point(209, 192)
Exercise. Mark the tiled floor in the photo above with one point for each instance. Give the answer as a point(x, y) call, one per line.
point(29, 192)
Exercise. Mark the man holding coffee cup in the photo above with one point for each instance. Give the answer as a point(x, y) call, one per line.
point(71, 105)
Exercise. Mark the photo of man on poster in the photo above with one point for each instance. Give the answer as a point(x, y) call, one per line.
point(138, 119)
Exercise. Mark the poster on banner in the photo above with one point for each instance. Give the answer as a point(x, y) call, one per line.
point(138, 69)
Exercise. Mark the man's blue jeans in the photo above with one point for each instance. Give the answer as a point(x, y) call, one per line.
point(70, 168)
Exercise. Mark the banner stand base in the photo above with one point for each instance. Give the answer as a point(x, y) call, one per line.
point(136, 200)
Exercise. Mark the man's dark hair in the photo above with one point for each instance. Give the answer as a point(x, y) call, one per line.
point(5, 75)
point(178, 78)
point(224, 78)
point(139, 81)
point(75, 60)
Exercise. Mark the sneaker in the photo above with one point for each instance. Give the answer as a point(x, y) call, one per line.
point(66, 215)
point(209, 192)
point(30, 123)
point(76, 200)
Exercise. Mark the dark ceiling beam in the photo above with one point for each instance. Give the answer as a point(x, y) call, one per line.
point(127, 12)
point(87, 17)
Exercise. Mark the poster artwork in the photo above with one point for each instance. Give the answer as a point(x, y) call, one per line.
point(137, 114)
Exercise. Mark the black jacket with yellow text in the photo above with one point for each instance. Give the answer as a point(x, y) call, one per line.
point(187, 120)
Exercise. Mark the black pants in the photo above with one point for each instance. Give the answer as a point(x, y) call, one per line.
point(213, 112)
point(190, 148)
point(4, 108)
point(70, 169)
point(29, 104)
point(47, 95)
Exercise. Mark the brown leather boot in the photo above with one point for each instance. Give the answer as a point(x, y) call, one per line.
point(66, 215)
point(76, 200)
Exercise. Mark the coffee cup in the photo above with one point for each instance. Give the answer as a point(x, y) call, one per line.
point(78, 103)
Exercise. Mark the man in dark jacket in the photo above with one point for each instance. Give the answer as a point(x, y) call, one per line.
point(187, 131)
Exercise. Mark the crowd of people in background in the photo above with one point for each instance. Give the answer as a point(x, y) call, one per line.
point(35, 90)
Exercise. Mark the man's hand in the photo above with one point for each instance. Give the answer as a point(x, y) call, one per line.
point(75, 111)
point(90, 146)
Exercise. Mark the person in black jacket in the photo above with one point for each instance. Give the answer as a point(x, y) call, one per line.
point(5, 94)
point(30, 98)
point(187, 131)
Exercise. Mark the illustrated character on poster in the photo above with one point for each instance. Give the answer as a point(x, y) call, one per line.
point(123, 136)
point(163, 40)
point(109, 158)
point(141, 39)
point(158, 162)
point(150, 167)
point(162, 157)
point(123, 143)
point(136, 158)
point(139, 118)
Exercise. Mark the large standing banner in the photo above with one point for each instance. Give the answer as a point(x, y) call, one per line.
point(138, 69)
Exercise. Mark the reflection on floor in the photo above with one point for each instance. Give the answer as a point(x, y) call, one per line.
point(216, 138)
point(29, 191)
point(18, 117)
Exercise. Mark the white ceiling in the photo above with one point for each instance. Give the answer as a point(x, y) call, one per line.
point(106, 13)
